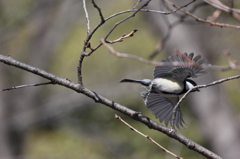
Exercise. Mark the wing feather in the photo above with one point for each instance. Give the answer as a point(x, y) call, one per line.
point(162, 107)
point(180, 67)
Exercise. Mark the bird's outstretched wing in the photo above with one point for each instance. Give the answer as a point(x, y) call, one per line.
point(180, 67)
point(162, 107)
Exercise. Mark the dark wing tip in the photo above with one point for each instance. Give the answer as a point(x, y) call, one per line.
point(162, 108)
point(181, 66)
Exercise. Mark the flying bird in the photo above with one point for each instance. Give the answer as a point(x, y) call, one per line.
point(171, 79)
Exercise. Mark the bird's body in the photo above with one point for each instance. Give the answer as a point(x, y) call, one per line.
point(164, 85)
point(170, 80)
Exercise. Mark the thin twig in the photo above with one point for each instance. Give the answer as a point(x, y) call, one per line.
point(203, 20)
point(126, 18)
point(197, 87)
point(26, 85)
point(124, 36)
point(99, 11)
point(232, 66)
point(87, 17)
point(116, 14)
point(166, 13)
point(146, 136)
point(232, 11)
point(136, 4)
point(118, 54)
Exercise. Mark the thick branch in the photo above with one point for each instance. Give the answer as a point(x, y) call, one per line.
point(99, 99)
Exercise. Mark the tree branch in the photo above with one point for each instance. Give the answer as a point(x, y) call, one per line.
point(197, 87)
point(113, 105)
point(26, 85)
point(99, 11)
point(203, 20)
point(146, 136)
point(87, 17)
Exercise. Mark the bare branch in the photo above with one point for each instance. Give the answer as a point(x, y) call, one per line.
point(203, 20)
point(26, 85)
point(124, 36)
point(118, 54)
point(119, 13)
point(232, 64)
point(99, 11)
point(86, 43)
point(197, 87)
point(87, 17)
point(217, 4)
point(124, 19)
point(215, 15)
point(146, 136)
point(111, 104)
point(136, 4)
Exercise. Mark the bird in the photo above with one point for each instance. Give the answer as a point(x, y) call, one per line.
point(170, 80)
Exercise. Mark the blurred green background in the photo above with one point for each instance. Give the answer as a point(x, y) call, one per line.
point(54, 122)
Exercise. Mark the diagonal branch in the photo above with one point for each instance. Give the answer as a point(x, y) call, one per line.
point(197, 87)
point(124, 36)
point(111, 104)
point(146, 136)
point(124, 19)
point(203, 20)
point(217, 4)
point(125, 55)
point(26, 85)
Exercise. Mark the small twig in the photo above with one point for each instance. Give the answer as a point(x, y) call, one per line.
point(215, 15)
point(124, 36)
point(232, 11)
point(26, 85)
point(166, 13)
point(203, 20)
point(87, 17)
point(118, 54)
point(233, 64)
point(156, 63)
point(99, 11)
point(196, 87)
point(136, 4)
point(126, 18)
point(146, 136)
point(184, 6)
point(119, 13)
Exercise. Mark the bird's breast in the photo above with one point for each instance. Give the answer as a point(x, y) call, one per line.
point(164, 85)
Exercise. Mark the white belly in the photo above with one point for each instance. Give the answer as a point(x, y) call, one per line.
point(166, 85)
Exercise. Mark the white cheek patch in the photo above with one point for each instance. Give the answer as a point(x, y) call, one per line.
point(189, 85)
point(166, 85)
